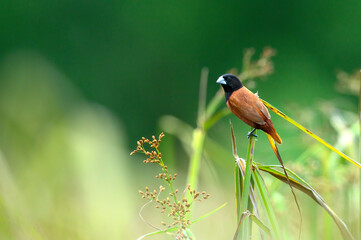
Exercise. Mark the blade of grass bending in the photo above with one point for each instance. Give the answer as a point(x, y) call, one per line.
point(243, 216)
point(210, 213)
point(278, 155)
point(260, 224)
point(302, 185)
point(172, 229)
point(215, 102)
point(278, 112)
point(256, 220)
point(215, 118)
point(266, 202)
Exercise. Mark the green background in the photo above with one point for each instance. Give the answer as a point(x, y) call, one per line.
point(81, 81)
point(127, 54)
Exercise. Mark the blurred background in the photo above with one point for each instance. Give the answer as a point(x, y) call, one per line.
point(81, 81)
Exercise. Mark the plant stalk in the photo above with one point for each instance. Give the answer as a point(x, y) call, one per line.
point(246, 184)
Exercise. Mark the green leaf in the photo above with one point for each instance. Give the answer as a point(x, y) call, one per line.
point(266, 203)
point(278, 112)
point(256, 220)
point(302, 185)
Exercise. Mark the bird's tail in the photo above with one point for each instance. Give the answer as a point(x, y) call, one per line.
point(278, 155)
point(275, 136)
point(272, 131)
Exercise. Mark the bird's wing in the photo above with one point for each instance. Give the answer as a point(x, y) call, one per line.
point(259, 111)
point(263, 108)
point(243, 104)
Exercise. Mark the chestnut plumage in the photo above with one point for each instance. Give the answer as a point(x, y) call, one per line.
point(247, 106)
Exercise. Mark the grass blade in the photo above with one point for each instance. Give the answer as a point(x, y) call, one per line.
point(238, 175)
point(238, 189)
point(278, 155)
point(210, 213)
point(266, 202)
point(216, 117)
point(243, 217)
point(278, 112)
point(303, 186)
point(246, 185)
point(201, 117)
point(215, 102)
point(260, 224)
point(197, 146)
point(248, 173)
point(239, 172)
point(256, 220)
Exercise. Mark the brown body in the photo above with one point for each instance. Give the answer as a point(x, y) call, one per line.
point(247, 107)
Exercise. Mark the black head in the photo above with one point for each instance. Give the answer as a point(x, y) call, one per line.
point(230, 83)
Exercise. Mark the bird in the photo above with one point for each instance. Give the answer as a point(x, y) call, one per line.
point(247, 106)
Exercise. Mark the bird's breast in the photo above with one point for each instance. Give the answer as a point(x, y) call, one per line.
point(244, 104)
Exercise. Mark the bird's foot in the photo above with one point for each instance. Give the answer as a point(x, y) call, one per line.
point(251, 133)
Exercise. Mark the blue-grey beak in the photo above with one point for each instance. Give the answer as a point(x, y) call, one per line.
point(221, 80)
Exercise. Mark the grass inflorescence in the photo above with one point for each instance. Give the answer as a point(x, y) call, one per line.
point(176, 204)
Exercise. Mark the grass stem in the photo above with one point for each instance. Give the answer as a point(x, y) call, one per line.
point(246, 185)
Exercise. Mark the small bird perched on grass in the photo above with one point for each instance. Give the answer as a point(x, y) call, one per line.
point(247, 106)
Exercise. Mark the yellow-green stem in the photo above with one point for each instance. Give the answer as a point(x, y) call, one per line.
point(197, 145)
point(246, 185)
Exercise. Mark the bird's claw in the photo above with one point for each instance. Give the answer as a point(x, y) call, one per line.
point(251, 133)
